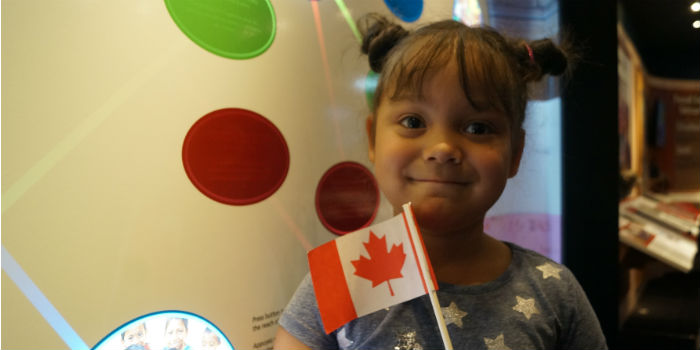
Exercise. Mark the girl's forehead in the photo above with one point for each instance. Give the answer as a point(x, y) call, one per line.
point(433, 79)
point(486, 81)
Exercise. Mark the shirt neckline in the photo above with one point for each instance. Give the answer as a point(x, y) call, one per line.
point(505, 277)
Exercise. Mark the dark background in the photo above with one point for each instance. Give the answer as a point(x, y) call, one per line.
point(669, 47)
point(663, 34)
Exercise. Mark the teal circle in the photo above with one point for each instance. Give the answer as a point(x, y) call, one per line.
point(154, 324)
point(371, 81)
point(232, 29)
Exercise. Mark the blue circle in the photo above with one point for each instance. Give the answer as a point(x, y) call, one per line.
point(406, 10)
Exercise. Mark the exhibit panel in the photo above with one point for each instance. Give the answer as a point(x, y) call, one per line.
point(177, 159)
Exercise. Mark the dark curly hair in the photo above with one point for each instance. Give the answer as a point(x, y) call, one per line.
point(493, 70)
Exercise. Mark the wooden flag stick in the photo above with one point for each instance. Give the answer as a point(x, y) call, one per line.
point(427, 276)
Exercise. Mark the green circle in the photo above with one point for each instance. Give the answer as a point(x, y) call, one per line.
point(234, 29)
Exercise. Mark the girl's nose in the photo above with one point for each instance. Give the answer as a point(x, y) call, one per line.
point(443, 152)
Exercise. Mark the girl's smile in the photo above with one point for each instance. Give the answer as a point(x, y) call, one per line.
point(440, 182)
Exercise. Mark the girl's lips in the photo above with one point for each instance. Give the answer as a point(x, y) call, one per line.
point(441, 181)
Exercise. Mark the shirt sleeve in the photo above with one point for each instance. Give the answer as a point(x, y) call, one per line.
point(583, 330)
point(302, 319)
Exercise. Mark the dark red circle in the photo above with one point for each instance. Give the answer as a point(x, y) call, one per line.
point(235, 156)
point(347, 198)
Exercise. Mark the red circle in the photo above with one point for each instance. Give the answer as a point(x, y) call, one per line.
point(235, 156)
point(347, 198)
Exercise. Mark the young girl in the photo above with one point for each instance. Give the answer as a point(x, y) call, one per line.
point(446, 134)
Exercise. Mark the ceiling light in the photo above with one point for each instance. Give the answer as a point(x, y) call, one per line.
point(696, 24)
point(695, 7)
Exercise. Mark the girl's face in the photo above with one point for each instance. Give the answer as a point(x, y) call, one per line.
point(450, 160)
point(135, 335)
point(175, 334)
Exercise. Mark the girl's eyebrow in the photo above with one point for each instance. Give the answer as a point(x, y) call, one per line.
point(491, 113)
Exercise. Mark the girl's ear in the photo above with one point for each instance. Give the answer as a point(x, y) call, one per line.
point(369, 125)
point(518, 145)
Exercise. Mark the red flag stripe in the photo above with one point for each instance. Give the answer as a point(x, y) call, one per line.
point(415, 254)
point(332, 293)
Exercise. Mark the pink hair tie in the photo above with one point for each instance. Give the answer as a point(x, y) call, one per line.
point(529, 52)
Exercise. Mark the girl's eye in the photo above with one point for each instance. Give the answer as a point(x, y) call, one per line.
point(478, 129)
point(412, 122)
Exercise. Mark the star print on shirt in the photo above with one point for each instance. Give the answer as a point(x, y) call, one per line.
point(343, 340)
point(549, 270)
point(453, 314)
point(497, 343)
point(407, 341)
point(526, 306)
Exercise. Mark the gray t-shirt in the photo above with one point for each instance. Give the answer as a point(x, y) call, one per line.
point(535, 304)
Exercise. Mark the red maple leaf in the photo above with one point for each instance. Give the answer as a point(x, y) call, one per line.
point(382, 265)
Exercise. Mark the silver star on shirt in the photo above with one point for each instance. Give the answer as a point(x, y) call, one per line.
point(407, 341)
point(453, 314)
point(549, 270)
point(526, 306)
point(497, 343)
point(343, 340)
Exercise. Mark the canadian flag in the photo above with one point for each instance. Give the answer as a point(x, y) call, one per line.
point(370, 269)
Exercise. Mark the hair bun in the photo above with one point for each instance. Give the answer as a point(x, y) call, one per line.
point(380, 36)
point(551, 59)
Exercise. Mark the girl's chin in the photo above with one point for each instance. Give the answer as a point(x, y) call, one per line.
point(440, 217)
